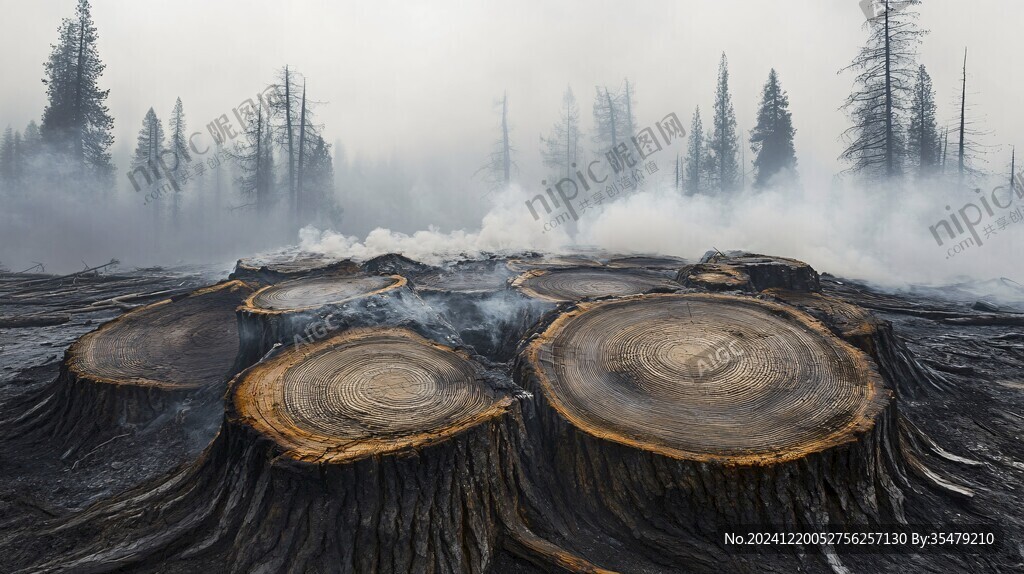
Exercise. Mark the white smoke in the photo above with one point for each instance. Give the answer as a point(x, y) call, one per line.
point(507, 228)
point(877, 235)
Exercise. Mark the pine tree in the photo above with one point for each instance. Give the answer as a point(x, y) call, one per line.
point(178, 146)
point(76, 122)
point(148, 156)
point(772, 138)
point(879, 103)
point(696, 156)
point(923, 144)
point(255, 159)
point(8, 157)
point(628, 111)
point(723, 141)
point(560, 151)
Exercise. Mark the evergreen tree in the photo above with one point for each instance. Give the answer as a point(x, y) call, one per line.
point(561, 149)
point(8, 158)
point(696, 156)
point(76, 122)
point(723, 144)
point(923, 144)
point(883, 86)
point(176, 130)
point(255, 159)
point(772, 137)
point(178, 146)
point(146, 160)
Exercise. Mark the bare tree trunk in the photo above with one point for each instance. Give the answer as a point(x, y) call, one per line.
point(506, 148)
point(963, 109)
point(301, 208)
point(291, 155)
point(889, 167)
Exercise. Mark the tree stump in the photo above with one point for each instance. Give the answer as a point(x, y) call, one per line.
point(870, 334)
point(575, 284)
point(475, 298)
point(537, 261)
point(669, 414)
point(308, 309)
point(664, 262)
point(141, 365)
point(282, 267)
point(749, 272)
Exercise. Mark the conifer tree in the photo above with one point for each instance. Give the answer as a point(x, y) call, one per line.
point(696, 155)
point(878, 106)
point(723, 144)
point(76, 122)
point(924, 146)
point(772, 138)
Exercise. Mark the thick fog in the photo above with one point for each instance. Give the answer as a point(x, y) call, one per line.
point(408, 99)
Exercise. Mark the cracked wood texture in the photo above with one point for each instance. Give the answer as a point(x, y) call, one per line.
point(135, 367)
point(574, 284)
point(668, 415)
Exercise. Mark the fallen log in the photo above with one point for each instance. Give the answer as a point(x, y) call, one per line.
point(20, 322)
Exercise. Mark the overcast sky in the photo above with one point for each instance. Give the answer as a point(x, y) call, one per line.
point(419, 79)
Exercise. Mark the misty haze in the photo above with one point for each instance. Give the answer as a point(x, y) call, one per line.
point(511, 287)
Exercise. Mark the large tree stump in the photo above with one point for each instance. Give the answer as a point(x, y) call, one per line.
point(575, 284)
point(140, 366)
point(285, 266)
point(304, 310)
point(539, 261)
point(673, 414)
point(748, 272)
point(664, 262)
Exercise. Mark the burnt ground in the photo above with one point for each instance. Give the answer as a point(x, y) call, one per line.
point(980, 415)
